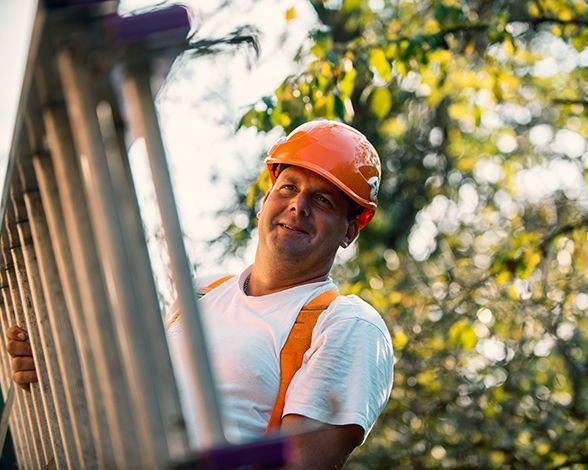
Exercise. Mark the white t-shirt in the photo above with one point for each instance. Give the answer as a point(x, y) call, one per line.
point(345, 378)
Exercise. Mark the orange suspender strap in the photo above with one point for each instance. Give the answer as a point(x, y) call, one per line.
point(201, 292)
point(293, 351)
point(218, 282)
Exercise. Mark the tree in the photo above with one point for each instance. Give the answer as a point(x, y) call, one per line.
point(478, 254)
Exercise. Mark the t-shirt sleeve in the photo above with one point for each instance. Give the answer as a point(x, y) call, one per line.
point(346, 375)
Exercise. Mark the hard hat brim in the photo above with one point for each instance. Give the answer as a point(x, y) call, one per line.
point(270, 162)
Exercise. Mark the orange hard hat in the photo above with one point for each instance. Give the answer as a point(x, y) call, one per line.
point(337, 152)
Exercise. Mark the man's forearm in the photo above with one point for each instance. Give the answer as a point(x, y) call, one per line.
point(326, 447)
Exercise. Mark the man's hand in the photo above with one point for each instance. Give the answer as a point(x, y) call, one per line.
point(23, 366)
point(327, 448)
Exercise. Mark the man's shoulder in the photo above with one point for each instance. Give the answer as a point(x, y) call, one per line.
point(201, 282)
point(353, 308)
point(204, 280)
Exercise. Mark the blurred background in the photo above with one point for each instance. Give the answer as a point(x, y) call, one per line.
point(478, 255)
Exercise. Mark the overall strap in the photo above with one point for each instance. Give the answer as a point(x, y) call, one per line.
point(205, 290)
point(201, 292)
point(296, 345)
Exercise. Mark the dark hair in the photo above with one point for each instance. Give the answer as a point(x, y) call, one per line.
point(354, 209)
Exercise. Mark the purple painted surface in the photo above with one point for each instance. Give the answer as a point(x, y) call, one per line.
point(270, 453)
point(167, 21)
point(56, 4)
point(266, 453)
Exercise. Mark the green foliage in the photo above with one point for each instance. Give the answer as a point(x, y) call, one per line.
point(489, 319)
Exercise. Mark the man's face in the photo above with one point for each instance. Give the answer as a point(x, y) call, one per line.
point(304, 219)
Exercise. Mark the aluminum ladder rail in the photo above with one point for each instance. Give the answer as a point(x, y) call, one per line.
point(75, 270)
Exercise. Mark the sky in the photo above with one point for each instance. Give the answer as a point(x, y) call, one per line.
point(15, 29)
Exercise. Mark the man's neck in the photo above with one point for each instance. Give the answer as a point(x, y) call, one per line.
point(268, 280)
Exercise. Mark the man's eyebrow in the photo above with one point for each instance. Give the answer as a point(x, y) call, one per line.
point(328, 190)
point(290, 178)
point(323, 189)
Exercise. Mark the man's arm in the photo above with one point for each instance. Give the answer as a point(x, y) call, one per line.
point(327, 448)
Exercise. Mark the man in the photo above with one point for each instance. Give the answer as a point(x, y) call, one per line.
point(325, 179)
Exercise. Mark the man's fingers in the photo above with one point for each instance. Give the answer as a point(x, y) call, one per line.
point(15, 332)
point(19, 348)
point(24, 378)
point(22, 363)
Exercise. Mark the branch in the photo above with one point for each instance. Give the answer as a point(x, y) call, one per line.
point(546, 19)
point(244, 35)
point(567, 228)
point(481, 27)
point(324, 15)
point(540, 7)
point(567, 101)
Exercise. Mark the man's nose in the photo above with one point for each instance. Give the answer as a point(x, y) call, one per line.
point(300, 204)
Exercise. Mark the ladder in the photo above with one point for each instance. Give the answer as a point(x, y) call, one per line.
point(74, 266)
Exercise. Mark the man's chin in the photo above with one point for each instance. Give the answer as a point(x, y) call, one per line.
point(290, 249)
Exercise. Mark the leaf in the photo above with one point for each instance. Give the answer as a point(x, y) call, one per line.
point(264, 181)
point(400, 68)
point(565, 15)
point(254, 118)
point(290, 13)
point(399, 341)
point(497, 458)
point(458, 111)
point(448, 13)
point(379, 62)
point(393, 127)
point(509, 48)
point(428, 379)
point(347, 84)
point(350, 5)
point(285, 120)
point(323, 42)
point(393, 29)
point(339, 108)
point(318, 50)
point(349, 111)
point(531, 259)
point(431, 26)
point(326, 70)
point(252, 195)
point(533, 9)
point(503, 276)
point(381, 102)
point(466, 164)
point(395, 297)
point(461, 334)
point(268, 101)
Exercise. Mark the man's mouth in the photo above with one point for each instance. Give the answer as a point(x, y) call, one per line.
point(292, 228)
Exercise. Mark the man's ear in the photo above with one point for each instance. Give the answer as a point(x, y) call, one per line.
point(352, 233)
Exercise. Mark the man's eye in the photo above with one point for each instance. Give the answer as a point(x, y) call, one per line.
point(324, 200)
point(288, 187)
